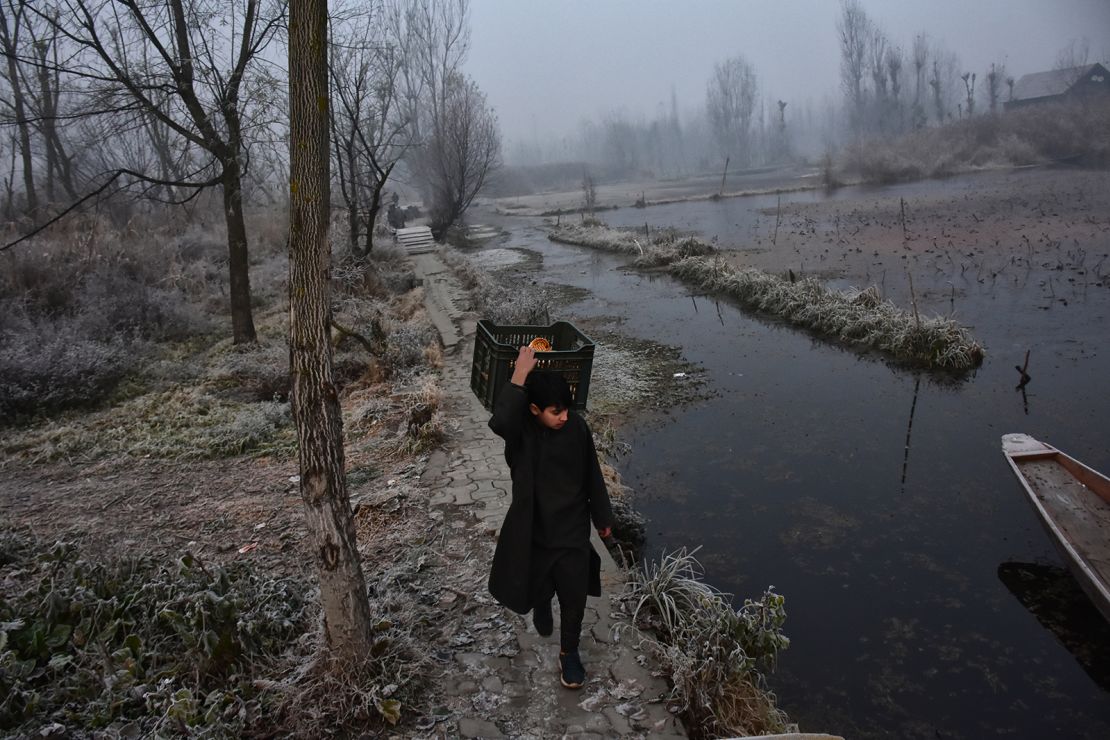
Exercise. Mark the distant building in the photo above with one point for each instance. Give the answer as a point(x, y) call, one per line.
point(1060, 85)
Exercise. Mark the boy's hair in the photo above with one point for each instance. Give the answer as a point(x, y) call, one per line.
point(546, 388)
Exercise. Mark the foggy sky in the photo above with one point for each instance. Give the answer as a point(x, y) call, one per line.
point(546, 64)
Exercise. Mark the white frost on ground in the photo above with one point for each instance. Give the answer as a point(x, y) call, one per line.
point(496, 258)
point(618, 378)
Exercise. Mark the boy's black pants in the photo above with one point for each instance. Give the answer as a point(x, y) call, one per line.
point(565, 573)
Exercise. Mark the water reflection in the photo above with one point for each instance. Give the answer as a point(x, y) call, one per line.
point(1051, 594)
point(909, 431)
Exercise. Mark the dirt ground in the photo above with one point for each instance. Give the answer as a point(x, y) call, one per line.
point(219, 510)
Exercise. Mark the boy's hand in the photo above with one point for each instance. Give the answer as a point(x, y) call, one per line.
point(525, 363)
point(604, 533)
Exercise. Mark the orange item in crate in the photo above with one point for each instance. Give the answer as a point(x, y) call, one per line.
point(540, 344)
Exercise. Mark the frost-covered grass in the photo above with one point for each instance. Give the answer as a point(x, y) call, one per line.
point(185, 648)
point(108, 349)
point(860, 318)
point(139, 646)
point(716, 655)
point(662, 249)
point(502, 302)
point(82, 307)
point(184, 422)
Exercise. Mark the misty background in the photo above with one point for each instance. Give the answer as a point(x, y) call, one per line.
point(559, 74)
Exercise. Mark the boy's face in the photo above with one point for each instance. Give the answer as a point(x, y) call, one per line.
point(552, 417)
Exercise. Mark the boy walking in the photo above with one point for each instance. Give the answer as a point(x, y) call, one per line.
point(544, 547)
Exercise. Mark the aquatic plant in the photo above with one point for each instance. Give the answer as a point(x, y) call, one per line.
point(715, 654)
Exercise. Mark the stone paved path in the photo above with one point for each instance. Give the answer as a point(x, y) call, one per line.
point(506, 681)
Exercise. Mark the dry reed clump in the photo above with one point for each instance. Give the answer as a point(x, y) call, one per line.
point(1035, 135)
point(138, 647)
point(860, 318)
point(423, 425)
point(385, 273)
point(716, 655)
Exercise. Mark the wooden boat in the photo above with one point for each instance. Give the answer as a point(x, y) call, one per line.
point(1073, 502)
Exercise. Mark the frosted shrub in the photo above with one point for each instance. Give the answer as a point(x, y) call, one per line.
point(47, 365)
point(406, 345)
point(113, 302)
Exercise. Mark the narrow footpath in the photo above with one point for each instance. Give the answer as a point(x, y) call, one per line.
point(506, 682)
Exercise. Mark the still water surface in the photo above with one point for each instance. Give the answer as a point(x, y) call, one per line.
point(918, 582)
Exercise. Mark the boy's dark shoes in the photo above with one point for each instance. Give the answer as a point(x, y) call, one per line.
point(542, 619)
point(572, 672)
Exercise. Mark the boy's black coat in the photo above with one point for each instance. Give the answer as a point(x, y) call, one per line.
point(512, 560)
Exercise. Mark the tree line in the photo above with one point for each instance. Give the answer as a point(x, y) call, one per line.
point(161, 102)
point(888, 87)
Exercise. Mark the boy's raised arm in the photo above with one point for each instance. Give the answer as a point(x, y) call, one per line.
point(511, 403)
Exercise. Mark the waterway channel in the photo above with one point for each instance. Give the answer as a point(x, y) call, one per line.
point(923, 597)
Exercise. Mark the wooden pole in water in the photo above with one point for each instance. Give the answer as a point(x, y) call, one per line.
point(913, 300)
point(1022, 369)
point(904, 235)
point(723, 176)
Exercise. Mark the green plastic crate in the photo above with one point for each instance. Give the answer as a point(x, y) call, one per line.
point(496, 348)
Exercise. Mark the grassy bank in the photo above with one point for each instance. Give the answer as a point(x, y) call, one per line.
point(858, 318)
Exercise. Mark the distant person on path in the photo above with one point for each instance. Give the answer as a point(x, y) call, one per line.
point(544, 546)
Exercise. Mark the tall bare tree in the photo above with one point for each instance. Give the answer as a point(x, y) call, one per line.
point(12, 19)
point(996, 77)
point(969, 88)
point(853, 28)
point(184, 63)
point(942, 81)
point(462, 149)
point(314, 400)
point(894, 63)
point(458, 143)
point(370, 130)
point(730, 104)
point(920, 62)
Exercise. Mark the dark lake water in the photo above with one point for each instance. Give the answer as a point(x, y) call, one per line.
point(923, 597)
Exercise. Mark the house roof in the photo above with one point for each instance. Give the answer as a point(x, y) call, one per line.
point(1049, 84)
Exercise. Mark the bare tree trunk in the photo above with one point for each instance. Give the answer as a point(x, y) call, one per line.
point(376, 191)
point(315, 402)
point(9, 37)
point(242, 318)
